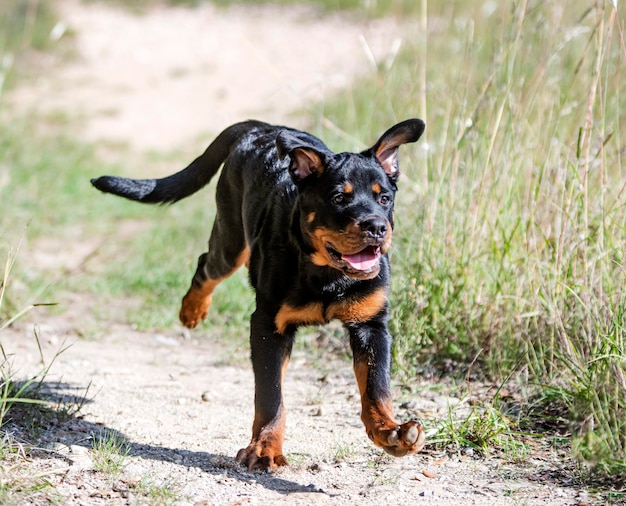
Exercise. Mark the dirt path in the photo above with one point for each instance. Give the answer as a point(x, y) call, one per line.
point(166, 77)
point(185, 408)
point(156, 81)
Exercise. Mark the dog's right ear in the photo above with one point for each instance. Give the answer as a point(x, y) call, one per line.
point(306, 158)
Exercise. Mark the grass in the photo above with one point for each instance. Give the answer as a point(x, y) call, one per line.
point(485, 427)
point(511, 238)
point(14, 390)
point(23, 400)
point(363, 7)
point(366, 8)
point(109, 457)
point(157, 494)
point(55, 176)
point(110, 451)
point(509, 247)
point(19, 484)
point(25, 24)
point(344, 451)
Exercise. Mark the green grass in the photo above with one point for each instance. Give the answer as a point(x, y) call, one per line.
point(16, 390)
point(19, 484)
point(25, 24)
point(360, 7)
point(110, 451)
point(23, 404)
point(367, 7)
point(483, 428)
point(51, 197)
point(510, 239)
point(157, 494)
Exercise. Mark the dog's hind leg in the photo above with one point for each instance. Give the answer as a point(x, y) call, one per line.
point(197, 301)
point(227, 252)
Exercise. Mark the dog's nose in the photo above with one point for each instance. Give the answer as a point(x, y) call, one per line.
point(375, 227)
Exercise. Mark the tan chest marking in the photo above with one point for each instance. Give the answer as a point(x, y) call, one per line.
point(310, 314)
point(348, 311)
point(359, 310)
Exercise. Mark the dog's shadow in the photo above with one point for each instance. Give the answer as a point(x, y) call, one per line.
point(220, 466)
point(57, 423)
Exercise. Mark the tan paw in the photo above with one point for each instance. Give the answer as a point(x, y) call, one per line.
point(260, 457)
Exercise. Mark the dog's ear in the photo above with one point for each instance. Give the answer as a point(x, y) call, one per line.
point(386, 148)
point(305, 151)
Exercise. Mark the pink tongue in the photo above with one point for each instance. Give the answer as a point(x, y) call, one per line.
point(363, 260)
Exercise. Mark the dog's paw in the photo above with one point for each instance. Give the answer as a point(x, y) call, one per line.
point(190, 319)
point(258, 457)
point(194, 309)
point(403, 439)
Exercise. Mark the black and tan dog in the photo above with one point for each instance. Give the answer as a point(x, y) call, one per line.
point(314, 228)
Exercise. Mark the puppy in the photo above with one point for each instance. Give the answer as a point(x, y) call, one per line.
point(314, 228)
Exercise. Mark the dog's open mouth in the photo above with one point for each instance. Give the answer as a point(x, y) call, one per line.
point(363, 261)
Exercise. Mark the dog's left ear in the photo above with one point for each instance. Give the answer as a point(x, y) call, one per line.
point(386, 148)
point(305, 151)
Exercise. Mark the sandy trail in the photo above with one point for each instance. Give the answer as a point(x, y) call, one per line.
point(161, 79)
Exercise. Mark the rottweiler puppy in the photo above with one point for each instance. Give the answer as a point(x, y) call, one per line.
point(314, 228)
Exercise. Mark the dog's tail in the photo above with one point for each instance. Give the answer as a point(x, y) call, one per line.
point(182, 184)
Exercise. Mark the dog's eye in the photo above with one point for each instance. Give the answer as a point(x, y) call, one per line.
point(384, 200)
point(338, 198)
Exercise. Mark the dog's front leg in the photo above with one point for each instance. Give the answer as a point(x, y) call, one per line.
point(270, 356)
point(371, 346)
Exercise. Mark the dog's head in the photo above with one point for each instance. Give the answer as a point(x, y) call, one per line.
point(345, 200)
